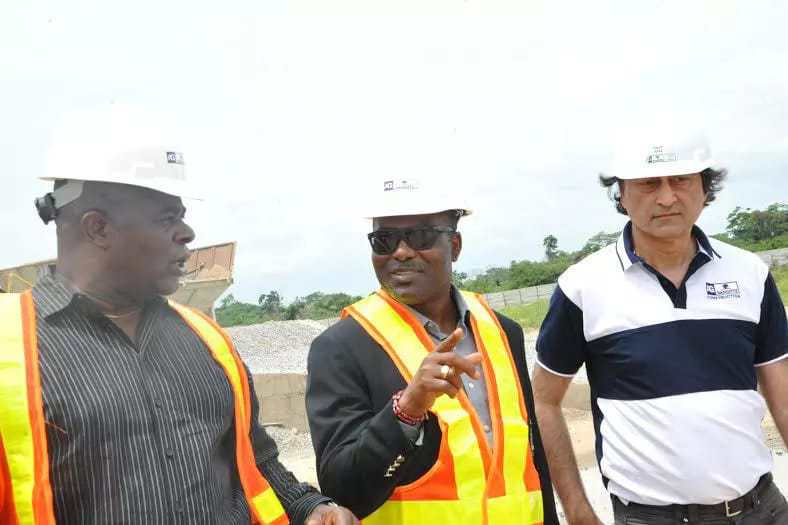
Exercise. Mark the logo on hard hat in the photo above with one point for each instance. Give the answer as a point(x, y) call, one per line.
point(174, 158)
point(391, 185)
point(659, 155)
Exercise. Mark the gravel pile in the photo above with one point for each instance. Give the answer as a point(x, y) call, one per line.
point(277, 346)
point(282, 346)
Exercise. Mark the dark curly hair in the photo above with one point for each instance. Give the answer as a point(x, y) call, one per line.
point(712, 184)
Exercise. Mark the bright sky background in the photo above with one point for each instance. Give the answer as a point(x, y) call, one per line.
point(293, 110)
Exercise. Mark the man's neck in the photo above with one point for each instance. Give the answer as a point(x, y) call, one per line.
point(124, 311)
point(664, 254)
point(441, 310)
point(100, 290)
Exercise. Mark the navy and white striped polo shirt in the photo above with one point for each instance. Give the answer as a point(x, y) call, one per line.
point(672, 370)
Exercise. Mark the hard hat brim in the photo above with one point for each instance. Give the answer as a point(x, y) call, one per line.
point(174, 187)
point(666, 169)
point(401, 211)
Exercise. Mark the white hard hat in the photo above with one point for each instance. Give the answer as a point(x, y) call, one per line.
point(396, 197)
point(118, 144)
point(661, 153)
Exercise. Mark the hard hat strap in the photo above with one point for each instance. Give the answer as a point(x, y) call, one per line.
point(67, 192)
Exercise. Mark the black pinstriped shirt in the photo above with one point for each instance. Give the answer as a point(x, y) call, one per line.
point(142, 431)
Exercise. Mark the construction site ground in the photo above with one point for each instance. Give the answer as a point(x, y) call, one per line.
point(298, 456)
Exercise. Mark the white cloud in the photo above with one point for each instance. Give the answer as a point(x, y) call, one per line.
point(292, 109)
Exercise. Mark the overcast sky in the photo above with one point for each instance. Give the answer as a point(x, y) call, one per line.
point(292, 111)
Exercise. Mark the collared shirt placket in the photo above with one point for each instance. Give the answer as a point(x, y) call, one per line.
point(475, 389)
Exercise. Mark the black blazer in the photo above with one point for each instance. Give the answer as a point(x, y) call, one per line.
point(356, 436)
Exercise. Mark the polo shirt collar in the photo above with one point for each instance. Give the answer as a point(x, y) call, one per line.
point(704, 245)
point(625, 247)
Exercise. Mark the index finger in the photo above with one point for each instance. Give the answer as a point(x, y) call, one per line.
point(448, 344)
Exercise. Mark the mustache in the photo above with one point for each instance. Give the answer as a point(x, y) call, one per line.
point(414, 266)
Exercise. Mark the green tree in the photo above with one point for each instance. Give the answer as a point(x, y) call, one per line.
point(232, 313)
point(271, 302)
point(227, 300)
point(293, 310)
point(531, 273)
point(595, 243)
point(757, 225)
point(550, 244)
point(320, 305)
point(492, 280)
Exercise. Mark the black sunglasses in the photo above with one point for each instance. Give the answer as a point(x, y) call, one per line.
point(385, 242)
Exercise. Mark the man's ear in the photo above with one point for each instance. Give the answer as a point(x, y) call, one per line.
point(96, 228)
point(456, 246)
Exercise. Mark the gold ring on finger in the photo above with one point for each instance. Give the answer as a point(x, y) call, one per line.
point(445, 369)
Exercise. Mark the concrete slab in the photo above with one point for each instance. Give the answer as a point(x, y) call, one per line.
point(281, 398)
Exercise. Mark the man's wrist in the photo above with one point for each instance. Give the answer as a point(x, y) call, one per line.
point(581, 513)
point(404, 413)
point(305, 506)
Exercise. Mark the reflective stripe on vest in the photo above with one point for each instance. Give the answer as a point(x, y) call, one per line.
point(25, 492)
point(469, 483)
point(264, 504)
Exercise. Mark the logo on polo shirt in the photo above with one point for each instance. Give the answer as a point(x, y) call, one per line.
point(727, 290)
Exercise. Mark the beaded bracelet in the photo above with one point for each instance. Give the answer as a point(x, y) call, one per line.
point(402, 416)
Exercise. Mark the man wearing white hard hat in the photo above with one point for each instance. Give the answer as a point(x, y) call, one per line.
point(677, 332)
point(419, 399)
point(119, 406)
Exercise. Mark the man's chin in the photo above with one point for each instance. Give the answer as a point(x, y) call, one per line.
point(168, 286)
point(672, 231)
point(666, 229)
point(402, 293)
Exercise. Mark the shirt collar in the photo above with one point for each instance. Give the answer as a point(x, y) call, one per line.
point(432, 327)
point(625, 248)
point(53, 294)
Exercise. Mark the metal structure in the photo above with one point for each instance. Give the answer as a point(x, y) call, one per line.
point(209, 272)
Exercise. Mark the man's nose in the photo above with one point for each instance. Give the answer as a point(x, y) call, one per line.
point(403, 252)
point(184, 234)
point(666, 196)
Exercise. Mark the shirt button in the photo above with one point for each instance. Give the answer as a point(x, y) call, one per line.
point(487, 428)
point(169, 452)
point(470, 385)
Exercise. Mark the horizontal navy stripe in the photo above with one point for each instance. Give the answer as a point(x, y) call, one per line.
point(679, 357)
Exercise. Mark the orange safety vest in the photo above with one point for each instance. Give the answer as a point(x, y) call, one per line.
point(469, 483)
point(25, 491)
